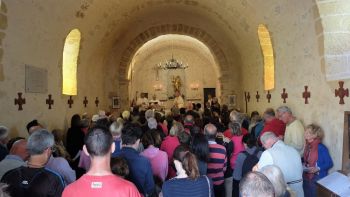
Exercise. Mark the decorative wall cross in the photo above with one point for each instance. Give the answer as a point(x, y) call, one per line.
point(341, 92)
point(49, 101)
point(20, 101)
point(248, 96)
point(284, 95)
point(257, 96)
point(268, 96)
point(97, 101)
point(306, 95)
point(70, 101)
point(85, 102)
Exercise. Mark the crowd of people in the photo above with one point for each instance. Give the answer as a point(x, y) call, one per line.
point(186, 152)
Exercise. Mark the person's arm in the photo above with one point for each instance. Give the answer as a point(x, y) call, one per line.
point(149, 181)
point(324, 161)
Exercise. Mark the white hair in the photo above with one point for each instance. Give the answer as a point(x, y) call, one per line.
point(116, 128)
point(149, 114)
point(152, 123)
point(283, 109)
point(275, 175)
point(266, 136)
point(4, 132)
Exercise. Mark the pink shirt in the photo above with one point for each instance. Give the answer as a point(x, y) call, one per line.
point(159, 161)
point(237, 148)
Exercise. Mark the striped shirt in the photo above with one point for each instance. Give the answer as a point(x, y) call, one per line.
point(217, 163)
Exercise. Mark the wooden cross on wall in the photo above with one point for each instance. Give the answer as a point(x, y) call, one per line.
point(306, 95)
point(268, 96)
point(284, 95)
point(85, 102)
point(248, 96)
point(341, 92)
point(49, 101)
point(97, 101)
point(20, 101)
point(257, 96)
point(70, 101)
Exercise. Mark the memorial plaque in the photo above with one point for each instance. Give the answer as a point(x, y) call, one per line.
point(35, 79)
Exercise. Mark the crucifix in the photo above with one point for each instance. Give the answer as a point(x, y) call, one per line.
point(20, 101)
point(268, 96)
point(246, 99)
point(257, 96)
point(85, 102)
point(341, 92)
point(49, 101)
point(306, 95)
point(97, 101)
point(70, 101)
point(284, 95)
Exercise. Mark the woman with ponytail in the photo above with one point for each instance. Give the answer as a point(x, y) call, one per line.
point(188, 181)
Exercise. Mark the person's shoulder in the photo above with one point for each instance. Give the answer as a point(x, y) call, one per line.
point(11, 173)
point(322, 147)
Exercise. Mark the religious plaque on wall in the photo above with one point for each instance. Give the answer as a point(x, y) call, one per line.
point(35, 79)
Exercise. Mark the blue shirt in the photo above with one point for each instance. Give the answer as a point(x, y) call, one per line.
point(185, 187)
point(140, 170)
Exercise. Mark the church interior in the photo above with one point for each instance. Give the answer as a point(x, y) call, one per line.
point(66, 57)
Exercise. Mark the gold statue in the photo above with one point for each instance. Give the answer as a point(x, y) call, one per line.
point(176, 83)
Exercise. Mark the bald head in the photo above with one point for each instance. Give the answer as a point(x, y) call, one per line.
point(19, 148)
point(210, 131)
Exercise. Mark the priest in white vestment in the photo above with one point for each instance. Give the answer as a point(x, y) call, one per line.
point(179, 101)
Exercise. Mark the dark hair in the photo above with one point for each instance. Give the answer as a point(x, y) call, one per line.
point(156, 138)
point(32, 124)
point(103, 122)
point(119, 166)
point(200, 147)
point(75, 121)
point(188, 161)
point(98, 141)
point(147, 139)
point(184, 138)
point(249, 140)
point(198, 105)
point(131, 133)
point(270, 112)
point(254, 113)
point(158, 116)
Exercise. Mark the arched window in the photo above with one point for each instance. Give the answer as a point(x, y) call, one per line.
point(267, 50)
point(69, 66)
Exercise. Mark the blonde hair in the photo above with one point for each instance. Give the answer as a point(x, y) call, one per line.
point(315, 130)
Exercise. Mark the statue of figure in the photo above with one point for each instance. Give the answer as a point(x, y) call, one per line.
point(176, 83)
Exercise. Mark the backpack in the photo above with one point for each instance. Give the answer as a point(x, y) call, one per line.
point(250, 161)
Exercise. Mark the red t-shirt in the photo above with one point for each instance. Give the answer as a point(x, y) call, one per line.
point(102, 186)
point(276, 126)
point(229, 134)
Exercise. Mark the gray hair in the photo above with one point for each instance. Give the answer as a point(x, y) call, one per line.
point(39, 141)
point(256, 184)
point(116, 128)
point(266, 136)
point(283, 109)
point(4, 132)
point(275, 175)
point(149, 114)
point(236, 116)
point(152, 123)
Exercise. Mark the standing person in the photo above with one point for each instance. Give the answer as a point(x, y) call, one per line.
point(273, 124)
point(99, 180)
point(286, 158)
point(140, 167)
point(294, 135)
point(17, 157)
point(4, 132)
point(75, 140)
point(188, 182)
point(217, 161)
point(317, 160)
point(178, 100)
point(34, 179)
point(200, 148)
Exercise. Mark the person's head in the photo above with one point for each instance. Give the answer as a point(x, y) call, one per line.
point(116, 128)
point(198, 106)
point(313, 132)
point(200, 147)
point(275, 175)
point(33, 123)
point(4, 133)
point(254, 114)
point(126, 115)
point(119, 167)
point(210, 131)
point(235, 128)
point(40, 143)
point(268, 139)
point(156, 137)
point(75, 121)
point(147, 139)
point(131, 136)
point(149, 114)
point(177, 93)
point(236, 116)
point(176, 129)
point(285, 114)
point(57, 134)
point(189, 119)
point(184, 138)
point(269, 114)
point(12, 141)
point(19, 148)
point(249, 141)
point(98, 142)
point(256, 184)
point(184, 160)
point(152, 123)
